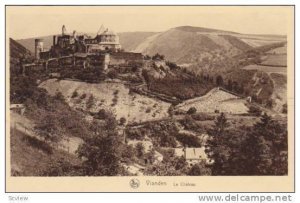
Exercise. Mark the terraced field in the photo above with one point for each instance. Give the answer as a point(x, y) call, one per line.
point(216, 100)
point(267, 69)
point(275, 60)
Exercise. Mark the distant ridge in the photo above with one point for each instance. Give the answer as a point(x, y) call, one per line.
point(202, 29)
point(185, 45)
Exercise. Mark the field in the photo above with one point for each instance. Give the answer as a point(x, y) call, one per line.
point(267, 69)
point(275, 60)
point(216, 100)
point(279, 50)
point(260, 40)
point(113, 96)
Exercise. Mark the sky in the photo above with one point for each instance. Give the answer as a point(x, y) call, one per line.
point(34, 21)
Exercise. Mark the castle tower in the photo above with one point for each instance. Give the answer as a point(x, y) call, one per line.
point(39, 47)
point(63, 30)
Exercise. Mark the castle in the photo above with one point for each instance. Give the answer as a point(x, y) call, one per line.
point(66, 44)
point(82, 51)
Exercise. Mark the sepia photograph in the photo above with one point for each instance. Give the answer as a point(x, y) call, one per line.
point(149, 92)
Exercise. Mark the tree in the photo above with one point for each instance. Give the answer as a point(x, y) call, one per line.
point(220, 124)
point(122, 121)
point(263, 151)
point(170, 166)
point(192, 110)
point(263, 147)
point(140, 150)
point(49, 128)
point(90, 102)
point(74, 94)
point(269, 103)
point(147, 57)
point(59, 96)
point(167, 140)
point(171, 110)
point(235, 86)
point(112, 74)
point(146, 76)
point(219, 81)
point(254, 110)
point(284, 108)
point(216, 147)
point(102, 155)
point(199, 169)
point(229, 85)
point(158, 57)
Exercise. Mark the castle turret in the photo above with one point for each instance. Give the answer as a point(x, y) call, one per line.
point(63, 30)
point(54, 40)
point(39, 47)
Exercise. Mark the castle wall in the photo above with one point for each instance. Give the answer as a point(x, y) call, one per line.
point(126, 58)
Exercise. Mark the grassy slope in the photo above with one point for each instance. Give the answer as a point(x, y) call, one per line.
point(17, 51)
point(31, 158)
point(130, 40)
point(131, 106)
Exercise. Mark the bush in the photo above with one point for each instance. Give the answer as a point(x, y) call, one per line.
point(102, 114)
point(202, 117)
point(59, 96)
point(116, 92)
point(83, 96)
point(135, 134)
point(90, 102)
point(112, 74)
point(122, 121)
point(140, 150)
point(148, 110)
point(284, 108)
point(191, 110)
point(158, 57)
point(75, 94)
point(254, 110)
point(199, 169)
point(188, 140)
point(172, 66)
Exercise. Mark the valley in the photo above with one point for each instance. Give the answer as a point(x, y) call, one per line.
point(173, 103)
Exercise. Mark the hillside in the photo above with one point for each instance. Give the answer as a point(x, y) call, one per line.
point(109, 96)
point(17, 53)
point(194, 46)
point(184, 44)
point(130, 40)
point(29, 42)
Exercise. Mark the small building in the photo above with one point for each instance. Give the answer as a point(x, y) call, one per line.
point(17, 108)
point(193, 155)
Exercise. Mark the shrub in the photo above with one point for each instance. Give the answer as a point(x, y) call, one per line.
point(116, 92)
point(102, 114)
point(90, 102)
point(75, 94)
point(140, 150)
point(199, 169)
point(284, 108)
point(112, 74)
point(83, 96)
point(122, 121)
point(202, 117)
point(148, 110)
point(59, 96)
point(188, 140)
point(135, 134)
point(191, 110)
point(254, 110)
